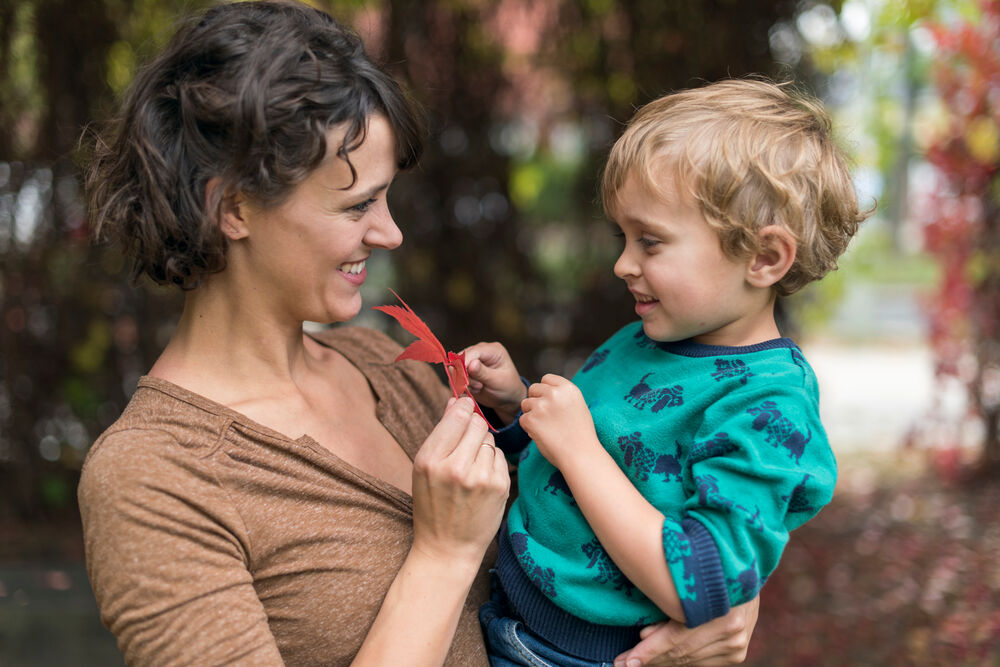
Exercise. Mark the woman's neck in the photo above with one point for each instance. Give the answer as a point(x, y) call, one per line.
point(226, 348)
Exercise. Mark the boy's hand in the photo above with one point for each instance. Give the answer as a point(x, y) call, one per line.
point(494, 380)
point(557, 418)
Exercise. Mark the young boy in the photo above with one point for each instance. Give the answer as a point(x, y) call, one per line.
point(664, 479)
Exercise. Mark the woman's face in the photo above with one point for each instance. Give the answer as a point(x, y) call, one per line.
point(305, 258)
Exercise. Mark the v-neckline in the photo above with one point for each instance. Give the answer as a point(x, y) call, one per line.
point(305, 440)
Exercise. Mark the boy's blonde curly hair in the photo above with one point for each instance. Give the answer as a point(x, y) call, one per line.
point(751, 153)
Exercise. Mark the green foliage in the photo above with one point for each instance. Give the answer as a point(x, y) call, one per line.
point(22, 98)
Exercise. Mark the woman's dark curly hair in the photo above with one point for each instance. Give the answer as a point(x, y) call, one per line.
point(245, 93)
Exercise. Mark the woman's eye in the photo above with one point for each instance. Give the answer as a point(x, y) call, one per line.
point(363, 206)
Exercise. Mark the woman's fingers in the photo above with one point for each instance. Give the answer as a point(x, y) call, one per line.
point(459, 489)
point(448, 432)
point(470, 442)
point(722, 641)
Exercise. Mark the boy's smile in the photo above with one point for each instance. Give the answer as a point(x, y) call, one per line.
point(684, 285)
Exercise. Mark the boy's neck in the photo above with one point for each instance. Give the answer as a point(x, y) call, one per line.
point(752, 329)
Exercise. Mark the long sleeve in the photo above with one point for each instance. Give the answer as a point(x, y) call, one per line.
point(760, 466)
point(165, 558)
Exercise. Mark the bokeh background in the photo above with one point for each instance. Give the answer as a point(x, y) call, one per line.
point(505, 241)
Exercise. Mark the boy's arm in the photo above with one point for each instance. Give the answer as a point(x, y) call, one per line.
point(760, 466)
point(630, 529)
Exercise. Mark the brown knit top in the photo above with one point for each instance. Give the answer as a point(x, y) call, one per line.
point(211, 538)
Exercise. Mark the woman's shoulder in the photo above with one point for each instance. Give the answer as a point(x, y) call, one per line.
point(163, 426)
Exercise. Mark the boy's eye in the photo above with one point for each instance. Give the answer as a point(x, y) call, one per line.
point(647, 242)
point(363, 206)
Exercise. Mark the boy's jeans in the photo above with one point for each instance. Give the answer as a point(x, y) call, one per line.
point(510, 644)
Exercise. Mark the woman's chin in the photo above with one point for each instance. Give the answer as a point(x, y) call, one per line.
point(343, 311)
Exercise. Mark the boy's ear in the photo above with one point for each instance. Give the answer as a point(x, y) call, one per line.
point(775, 257)
point(230, 209)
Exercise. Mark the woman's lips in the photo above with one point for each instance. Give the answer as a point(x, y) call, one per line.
point(353, 272)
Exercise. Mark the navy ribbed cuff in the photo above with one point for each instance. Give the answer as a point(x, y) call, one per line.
point(511, 439)
point(711, 596)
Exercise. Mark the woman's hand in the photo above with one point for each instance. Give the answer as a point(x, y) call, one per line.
point(494, 380)
point(722, 641)
point(460, 487)
point(557, 418)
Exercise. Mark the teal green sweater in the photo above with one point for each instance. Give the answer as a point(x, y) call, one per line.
point(725, 441)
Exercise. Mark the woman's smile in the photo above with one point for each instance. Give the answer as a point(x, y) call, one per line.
point(354, 272)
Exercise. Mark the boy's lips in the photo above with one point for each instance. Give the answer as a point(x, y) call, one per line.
point(643, 298)
point(643, 302)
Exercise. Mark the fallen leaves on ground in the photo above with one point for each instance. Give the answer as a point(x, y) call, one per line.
point(901, 571)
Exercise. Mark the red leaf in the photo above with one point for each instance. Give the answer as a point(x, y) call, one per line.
point(428, 348)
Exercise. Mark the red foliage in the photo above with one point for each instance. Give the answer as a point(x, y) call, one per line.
point(962, 215)
point(920, 586)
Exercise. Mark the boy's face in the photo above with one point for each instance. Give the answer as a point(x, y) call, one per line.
point(685, 286)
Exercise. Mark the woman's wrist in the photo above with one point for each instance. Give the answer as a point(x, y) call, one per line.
point(455, 563)
point(417, 621)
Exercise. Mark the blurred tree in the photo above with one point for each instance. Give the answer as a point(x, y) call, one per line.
point(920, 76)
point(503, 236)
point(69, 352)
point(505, 240)
point(963, 228)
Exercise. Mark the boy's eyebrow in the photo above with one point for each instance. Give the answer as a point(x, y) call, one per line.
point(645, 225)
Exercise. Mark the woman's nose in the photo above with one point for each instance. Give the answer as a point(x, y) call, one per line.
point(384, 232)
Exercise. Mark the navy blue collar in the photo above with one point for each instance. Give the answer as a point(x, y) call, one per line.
point(690, 348)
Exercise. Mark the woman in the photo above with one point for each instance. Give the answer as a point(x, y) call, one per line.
point(268, 496)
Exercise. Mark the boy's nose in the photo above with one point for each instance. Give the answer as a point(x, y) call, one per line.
point(625, 266)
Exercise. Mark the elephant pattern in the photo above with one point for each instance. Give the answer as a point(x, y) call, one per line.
point(595, 359)
point(607, 572)
point(645, 461)
point(643, 395)
point(718, 445)
point(798, 499)
point(746, 585)
point(734, 368)
point(557, 484)
point(542, 578)
point(780, 430)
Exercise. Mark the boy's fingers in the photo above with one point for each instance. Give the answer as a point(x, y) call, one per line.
point(490, 354)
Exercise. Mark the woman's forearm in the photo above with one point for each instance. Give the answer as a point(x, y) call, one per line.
point(417, 621)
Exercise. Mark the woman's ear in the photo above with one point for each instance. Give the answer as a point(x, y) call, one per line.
point(230, 209)
point(774, 258)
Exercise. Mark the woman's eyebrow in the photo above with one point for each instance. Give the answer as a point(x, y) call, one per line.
point(372, 191)
point(360, 194)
